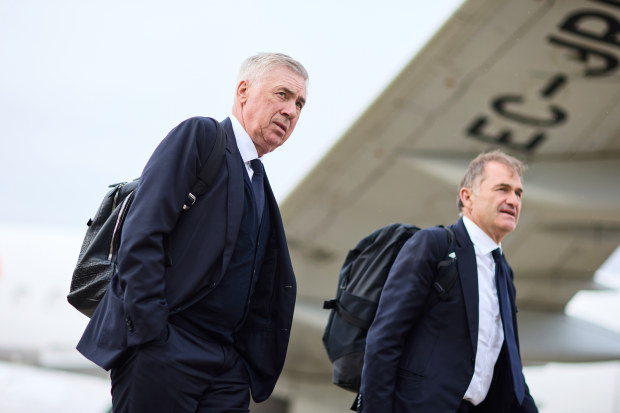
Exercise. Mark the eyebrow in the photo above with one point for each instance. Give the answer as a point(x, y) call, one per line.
point(505, 185)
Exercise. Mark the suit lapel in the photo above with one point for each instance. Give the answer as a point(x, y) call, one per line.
point(234, 164)
point(468, 274)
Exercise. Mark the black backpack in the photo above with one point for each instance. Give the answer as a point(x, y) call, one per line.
point(361, 281)
point(99, 253)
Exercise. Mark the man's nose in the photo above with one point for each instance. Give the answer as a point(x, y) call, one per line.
point(289, 110)
point(514, 199)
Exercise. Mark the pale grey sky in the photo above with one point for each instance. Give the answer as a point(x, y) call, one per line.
point(88, 89)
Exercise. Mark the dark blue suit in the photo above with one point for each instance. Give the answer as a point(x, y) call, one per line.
point(200, 243)
point(420, 351)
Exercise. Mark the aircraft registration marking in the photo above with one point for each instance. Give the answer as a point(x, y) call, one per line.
point(597, 62)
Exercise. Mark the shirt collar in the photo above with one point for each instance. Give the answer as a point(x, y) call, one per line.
point(479, 238)
point(246, 146)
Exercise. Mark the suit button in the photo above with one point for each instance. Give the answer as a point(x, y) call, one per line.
point(129, 324)
point(212, 285)
point(473, 360)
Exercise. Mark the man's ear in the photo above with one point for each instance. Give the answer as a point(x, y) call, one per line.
point(465, 195)
point(242, 91)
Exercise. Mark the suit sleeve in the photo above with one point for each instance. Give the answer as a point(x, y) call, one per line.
point(402, 302)
point(165, 182)
point(528, 405)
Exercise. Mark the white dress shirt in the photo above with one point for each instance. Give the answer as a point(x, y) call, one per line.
point(490, 329)
point(246, 146)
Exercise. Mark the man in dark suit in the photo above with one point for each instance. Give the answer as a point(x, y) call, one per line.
point(459, 355)
point(201, 307)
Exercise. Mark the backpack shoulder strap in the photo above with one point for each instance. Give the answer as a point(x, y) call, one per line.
point(447, 271)
point(210, 168)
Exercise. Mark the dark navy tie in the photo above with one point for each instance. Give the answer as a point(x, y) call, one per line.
point(257, 185)
point(501, 279)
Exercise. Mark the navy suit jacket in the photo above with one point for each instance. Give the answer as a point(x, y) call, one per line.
point(420, 351)
point(200, 243)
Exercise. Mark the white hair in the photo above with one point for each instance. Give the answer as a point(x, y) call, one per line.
point(255, 67)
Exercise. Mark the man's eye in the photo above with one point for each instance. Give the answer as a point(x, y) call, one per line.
point(299, 105)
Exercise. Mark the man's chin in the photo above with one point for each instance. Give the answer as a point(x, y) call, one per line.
point(508, 226)
point(274, 141)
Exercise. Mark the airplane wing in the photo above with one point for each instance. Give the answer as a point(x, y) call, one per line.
point(537, 79)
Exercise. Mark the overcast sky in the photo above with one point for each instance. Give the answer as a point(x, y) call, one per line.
point(89, 88)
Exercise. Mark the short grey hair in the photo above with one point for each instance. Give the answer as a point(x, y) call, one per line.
point(255, 67)
point(475, 171)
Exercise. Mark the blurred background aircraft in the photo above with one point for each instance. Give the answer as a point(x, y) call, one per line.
point(89, 90)
point(39, 329)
